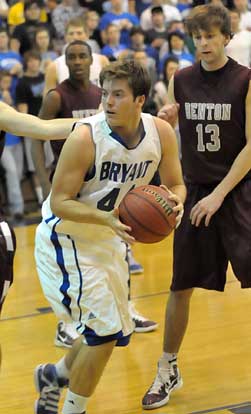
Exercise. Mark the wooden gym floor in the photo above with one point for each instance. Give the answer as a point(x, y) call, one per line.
point(215, 360)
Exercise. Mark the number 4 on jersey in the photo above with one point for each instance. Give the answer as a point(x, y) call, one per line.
point(107, 203)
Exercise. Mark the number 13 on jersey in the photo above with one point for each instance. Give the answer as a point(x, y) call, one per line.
point(214, 131)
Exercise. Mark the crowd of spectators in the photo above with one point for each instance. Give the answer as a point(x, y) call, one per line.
point(33, 34)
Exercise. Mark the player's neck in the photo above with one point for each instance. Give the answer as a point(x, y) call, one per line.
point(211, 66)
point(132, 133)
point(82, 84)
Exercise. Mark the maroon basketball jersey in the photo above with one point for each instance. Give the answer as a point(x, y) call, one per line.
point(75, 103)
point(211, 119)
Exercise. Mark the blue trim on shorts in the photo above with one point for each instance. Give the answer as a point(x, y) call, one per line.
point(93, 339)
point(60, 261)
point(80, 281)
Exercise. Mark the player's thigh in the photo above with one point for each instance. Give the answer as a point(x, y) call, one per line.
point(199, 255)
point(103, 297)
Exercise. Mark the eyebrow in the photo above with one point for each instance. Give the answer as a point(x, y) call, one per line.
point(114, 91)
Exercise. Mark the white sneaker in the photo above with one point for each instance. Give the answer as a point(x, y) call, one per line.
point(142, 324)
point(160, 390)
point(65, 334)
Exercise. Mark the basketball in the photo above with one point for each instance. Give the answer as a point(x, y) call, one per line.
point(148, 210)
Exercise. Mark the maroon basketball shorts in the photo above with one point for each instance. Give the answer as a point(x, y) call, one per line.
point(201, 254)
point(7, 251)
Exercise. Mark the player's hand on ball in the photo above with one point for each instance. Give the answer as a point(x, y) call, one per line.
point(120, 229)
point(179, 208)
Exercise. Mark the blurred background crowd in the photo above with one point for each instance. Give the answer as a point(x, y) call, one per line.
point(33, 35)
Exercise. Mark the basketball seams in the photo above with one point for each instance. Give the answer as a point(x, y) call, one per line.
point(163, 215)
point(141, 224)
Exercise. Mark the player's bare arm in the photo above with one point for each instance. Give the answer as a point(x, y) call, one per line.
point(29, 125)
point(169, 112)
point(76, 159)
point(170, 167)
point(208, 206)
point(50, 78)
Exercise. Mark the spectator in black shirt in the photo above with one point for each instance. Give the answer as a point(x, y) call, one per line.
point(24, 34)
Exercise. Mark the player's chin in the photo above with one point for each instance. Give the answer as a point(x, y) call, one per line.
point(114, 122)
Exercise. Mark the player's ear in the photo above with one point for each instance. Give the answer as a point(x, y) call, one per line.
point(141, 99)
point(227, 40)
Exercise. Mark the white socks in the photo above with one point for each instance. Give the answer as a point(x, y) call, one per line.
point(61, 369)
point(74, 403)
point(168, 357)
point(164, 364)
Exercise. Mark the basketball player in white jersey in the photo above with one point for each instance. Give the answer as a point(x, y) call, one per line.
point(57, 71)
point(81, 243)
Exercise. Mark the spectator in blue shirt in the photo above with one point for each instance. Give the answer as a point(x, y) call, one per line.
point(137, 42)
point(125, 21)
point(12, 157)
point(113, 48)
point(10, 61)
point(176, 41)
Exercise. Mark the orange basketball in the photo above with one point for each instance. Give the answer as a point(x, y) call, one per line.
point(148, 210)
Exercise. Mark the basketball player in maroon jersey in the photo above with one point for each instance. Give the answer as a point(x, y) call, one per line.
point(214, 101)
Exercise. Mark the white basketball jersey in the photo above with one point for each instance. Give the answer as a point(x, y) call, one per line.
point(63, 72)
point(117, 170)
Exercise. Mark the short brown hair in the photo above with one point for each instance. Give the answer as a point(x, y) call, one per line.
point(75, 22)
point(206, 16)
point(137, 76)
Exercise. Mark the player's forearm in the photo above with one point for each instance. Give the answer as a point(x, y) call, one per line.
point(56, 128)
point(78, 212)
point(28, 125)
point(237, 172)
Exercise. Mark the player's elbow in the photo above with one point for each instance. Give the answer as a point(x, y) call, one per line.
point(57, 204)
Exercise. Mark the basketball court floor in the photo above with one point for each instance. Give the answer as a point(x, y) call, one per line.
point(215, 359)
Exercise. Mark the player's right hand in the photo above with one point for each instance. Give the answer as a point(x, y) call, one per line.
point(120, 229)
point(169, 113)
point(179, 208)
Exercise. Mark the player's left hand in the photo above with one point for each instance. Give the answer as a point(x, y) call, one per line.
point(120, 228)
point(205, 208)
point(179, 208)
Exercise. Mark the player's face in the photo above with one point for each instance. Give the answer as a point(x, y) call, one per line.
point(118, 102)
point(211, 47)
point(78, 60)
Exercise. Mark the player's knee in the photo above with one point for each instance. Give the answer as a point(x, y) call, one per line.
point(181, 295)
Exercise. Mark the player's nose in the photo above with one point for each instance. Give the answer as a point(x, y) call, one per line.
point(109, 100)
point(203, 41)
